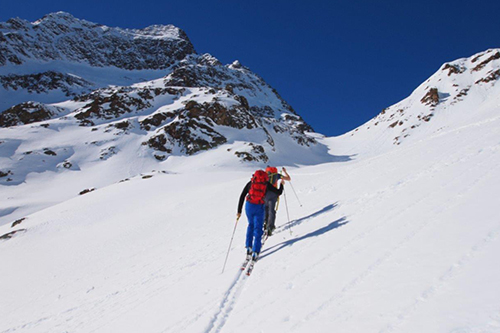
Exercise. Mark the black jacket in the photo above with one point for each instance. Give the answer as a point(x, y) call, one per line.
point(270, 187)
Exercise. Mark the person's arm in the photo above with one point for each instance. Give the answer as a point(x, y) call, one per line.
point(286, 176)
point(242, 198)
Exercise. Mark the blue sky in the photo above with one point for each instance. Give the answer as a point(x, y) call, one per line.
point(338, 63)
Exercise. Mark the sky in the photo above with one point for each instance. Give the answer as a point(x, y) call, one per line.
point(338, 63)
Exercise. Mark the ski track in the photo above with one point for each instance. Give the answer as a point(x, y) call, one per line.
point(227, 304)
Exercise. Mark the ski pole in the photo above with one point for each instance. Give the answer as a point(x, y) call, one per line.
point(231, 242)
point(295, 194)
point(288, 215)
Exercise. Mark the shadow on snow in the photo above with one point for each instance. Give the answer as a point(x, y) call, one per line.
point(294, 223)
point(333, 225)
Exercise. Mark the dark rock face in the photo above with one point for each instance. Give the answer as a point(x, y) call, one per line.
point(193, 131)
point(60, 36)
point(110, 104)
point(25, 113)
point(45, 82)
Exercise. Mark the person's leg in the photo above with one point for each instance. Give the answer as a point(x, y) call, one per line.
point(271, 220)
point(250, 229)
point(258, 221)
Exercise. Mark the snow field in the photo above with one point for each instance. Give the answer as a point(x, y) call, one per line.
point(401, 242)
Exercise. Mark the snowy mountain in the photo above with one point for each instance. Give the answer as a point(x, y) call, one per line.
point(460, 93)
point(398, 232)
point(60, 36)
point(118, 124)
point(60, 56)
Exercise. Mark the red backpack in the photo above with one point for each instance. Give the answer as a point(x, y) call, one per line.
point(258, 187)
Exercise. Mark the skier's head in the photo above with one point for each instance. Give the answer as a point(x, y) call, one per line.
point(271, 170)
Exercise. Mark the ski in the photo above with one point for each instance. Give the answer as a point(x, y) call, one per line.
point(245, 263)
point(250, 267)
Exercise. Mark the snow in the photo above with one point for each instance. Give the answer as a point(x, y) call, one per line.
point(404, 241)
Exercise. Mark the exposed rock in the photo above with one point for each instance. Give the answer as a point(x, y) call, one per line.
point(60, 36)
point(25, 113)
point(192, 136)
point(17, 222)
point(158, 142)
point(453, 69)
point(109, 106)
point(5, 174)
point(11, 234)
point(156, 120)
point(428, 117)
point(123, 125)
point(485, 62)
point(49, 152)
point(45, 82)
point(463, 92)
point(108, 152)
point(431, 98)
point(87, 190)
point(493, 76)
point(256, 154)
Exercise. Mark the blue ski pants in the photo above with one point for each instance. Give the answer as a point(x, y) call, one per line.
point(255, 215)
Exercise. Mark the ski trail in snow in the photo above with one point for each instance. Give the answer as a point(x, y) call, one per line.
point(434, 289)
point(227, 304)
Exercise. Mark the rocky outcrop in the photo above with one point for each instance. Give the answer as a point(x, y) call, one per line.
point(453, 69)
point(45, 82)
point(193, 128)
point(111, 104)
point(485, 62)
point(256, 153)
point(26, 113)
point(492, 76)
point(431, 97)
point(60, 36)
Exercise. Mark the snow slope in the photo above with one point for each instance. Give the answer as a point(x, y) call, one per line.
point(401, 241)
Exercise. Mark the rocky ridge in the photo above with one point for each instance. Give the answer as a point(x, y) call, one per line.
point(60, 36)
point(460, 83)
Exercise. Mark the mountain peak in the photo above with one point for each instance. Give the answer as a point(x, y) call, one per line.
point(62, 37)
point(57, 16)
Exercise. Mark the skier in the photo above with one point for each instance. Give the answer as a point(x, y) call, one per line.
point(271, 198)
point(254, 192)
